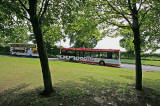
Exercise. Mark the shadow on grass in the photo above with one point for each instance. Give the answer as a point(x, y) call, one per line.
point(89, 92)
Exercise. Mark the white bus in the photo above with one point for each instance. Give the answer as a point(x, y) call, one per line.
point(23, 49)
point(109, 57)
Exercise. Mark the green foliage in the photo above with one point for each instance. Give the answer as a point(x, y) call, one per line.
point(149, 56)
point(119, 13)
point(80, 24)
point(127, 55)
point(16, 34)
point(146, 58)
point(52, 50)
point(127, 43)
point(4, 49)
point(144, 62)
point(12, 28)
point(150, 30)
point(52, 34)
point(15, 23)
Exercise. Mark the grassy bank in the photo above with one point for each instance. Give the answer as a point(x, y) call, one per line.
point(75, 85)
point(144, 62)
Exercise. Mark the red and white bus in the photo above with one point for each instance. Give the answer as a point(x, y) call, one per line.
point(109, 57)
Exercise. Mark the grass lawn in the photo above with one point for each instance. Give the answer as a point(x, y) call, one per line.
point(144, 62)
point(75, 85)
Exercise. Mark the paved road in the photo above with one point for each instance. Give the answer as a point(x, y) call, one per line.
point(144, 67)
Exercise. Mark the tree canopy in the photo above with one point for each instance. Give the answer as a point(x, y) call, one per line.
point(80, 24)
point(150, 29)
point(12, 29)
point(131, 15)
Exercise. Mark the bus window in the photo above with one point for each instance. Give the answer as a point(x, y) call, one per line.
point(115, 56)
point(71, 53)
point(87, 54)
point(19, 51)
point(109, 55)
point(95, 54)
point(77, 53)
point(81, 54)
point(63, 52)
point(103, 54)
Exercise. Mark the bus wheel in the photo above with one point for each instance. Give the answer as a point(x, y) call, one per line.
point(101, 63)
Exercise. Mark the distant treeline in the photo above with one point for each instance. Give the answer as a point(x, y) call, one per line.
point(53, 51)
point(4, 49)
point(144, 56)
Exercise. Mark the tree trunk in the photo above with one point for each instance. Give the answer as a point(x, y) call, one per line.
point(137, 50)
point(138, 60)
point(42, 55)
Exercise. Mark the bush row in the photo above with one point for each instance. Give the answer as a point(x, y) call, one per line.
point(144, 56)
point(4, 49)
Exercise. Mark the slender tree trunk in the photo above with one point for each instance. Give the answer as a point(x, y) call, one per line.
point(138, 60)
point(137, 50)
point(42, 54)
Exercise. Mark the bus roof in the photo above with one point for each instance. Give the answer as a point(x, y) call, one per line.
point(88, 49)
point(21, 43)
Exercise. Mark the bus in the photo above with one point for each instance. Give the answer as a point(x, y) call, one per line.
point(23, 49)
point(109, 57)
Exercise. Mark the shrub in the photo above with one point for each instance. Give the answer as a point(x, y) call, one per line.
point(4, 49)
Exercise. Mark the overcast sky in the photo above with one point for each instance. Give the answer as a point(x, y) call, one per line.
point(109, 43)
point(105, 43)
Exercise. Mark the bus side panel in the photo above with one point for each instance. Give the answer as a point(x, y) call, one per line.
point(109, 62)
point(20, 54)
point(112, 62)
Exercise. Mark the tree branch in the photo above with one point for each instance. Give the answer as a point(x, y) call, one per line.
point(115, 24)
point(118, 25)
point(141, 4)
point(26, 17)
point(129, 5)
point(23, 6)
point(21, 14)
point(143, 17)
point(119, 13)
point(45, 8)
point(99, 16)
point(41, 8)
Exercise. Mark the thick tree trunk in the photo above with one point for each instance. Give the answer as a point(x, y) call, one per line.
point(137, 50)
point(43, 55)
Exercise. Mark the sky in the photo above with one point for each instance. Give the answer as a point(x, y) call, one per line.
point(109, 43)
point(105, 43)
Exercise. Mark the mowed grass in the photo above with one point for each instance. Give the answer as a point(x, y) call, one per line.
point(75, 84)
point(144, 62)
